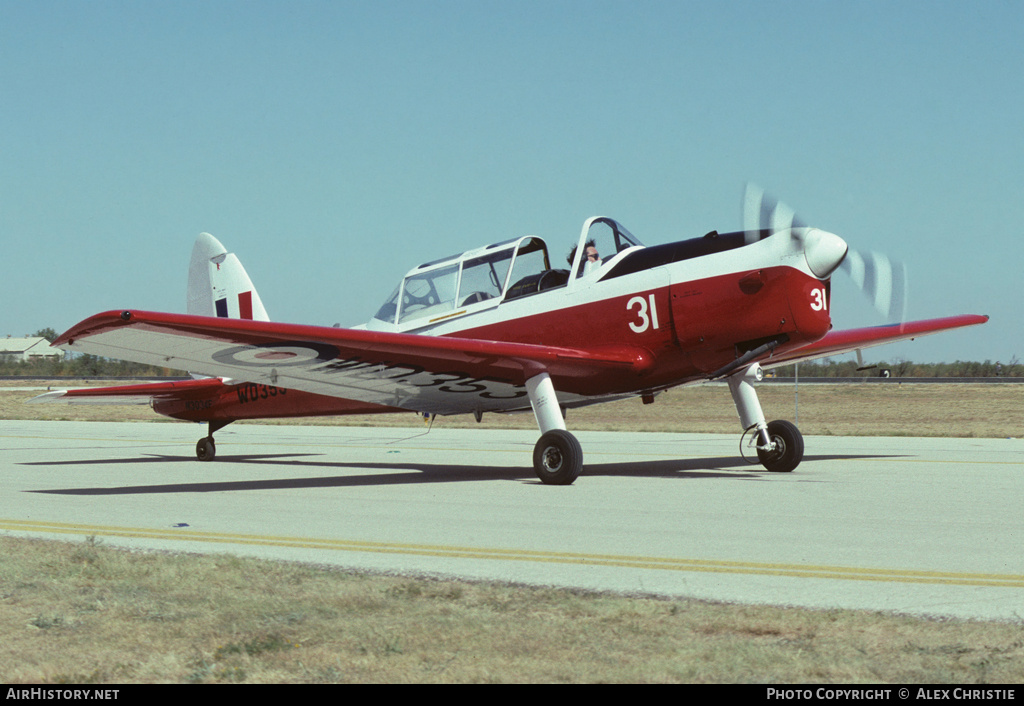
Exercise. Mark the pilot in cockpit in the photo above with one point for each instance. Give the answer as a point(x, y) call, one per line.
point(591, 257)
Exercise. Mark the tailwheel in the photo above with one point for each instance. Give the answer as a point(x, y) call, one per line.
point(787, 447)
point(206, 449)
point(558, 458)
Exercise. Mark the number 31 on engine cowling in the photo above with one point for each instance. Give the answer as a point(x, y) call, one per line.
point(819, 299)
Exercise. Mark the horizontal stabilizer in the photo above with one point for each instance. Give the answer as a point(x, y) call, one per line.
point(144, 393)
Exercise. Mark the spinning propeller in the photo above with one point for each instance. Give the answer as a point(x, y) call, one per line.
point(882, 281)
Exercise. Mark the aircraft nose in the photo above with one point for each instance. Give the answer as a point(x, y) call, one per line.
point(823, 251)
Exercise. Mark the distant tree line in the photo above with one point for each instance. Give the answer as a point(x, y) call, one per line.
point(95, 366)
point(80, 365)
point(83, 366)
point(902, 368)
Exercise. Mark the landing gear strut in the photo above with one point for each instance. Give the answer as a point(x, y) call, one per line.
point(206, 448)
point(780, 446)
point(557, 457)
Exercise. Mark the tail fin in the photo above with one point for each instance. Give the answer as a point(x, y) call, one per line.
point(218, 284)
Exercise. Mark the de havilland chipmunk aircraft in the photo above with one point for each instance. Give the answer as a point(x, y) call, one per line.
point(508, 328)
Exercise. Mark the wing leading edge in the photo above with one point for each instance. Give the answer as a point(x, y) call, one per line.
point(442, 375)
point(836, 342)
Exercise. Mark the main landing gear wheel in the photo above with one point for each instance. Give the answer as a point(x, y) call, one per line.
point(558, 458)
point(789, 447)
point(206, 450)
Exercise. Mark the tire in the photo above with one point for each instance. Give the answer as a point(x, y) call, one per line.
point(790, 447)
point(206, 450)
point(558, 458)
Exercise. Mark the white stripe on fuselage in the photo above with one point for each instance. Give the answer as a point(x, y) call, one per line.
point(776, 250)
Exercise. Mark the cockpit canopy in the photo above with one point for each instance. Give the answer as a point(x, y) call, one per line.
point(600, 242)
point(482, 278)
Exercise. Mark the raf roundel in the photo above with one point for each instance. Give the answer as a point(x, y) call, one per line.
point(277, 354)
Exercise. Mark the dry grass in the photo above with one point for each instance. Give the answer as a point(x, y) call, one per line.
point(879, 409)
point(85, 613)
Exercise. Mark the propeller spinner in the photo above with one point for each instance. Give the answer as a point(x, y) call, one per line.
point(884, 282)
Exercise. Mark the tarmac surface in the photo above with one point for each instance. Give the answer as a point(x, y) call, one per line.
point(910, 525)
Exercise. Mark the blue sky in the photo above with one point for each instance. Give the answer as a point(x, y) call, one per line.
point(334, 145)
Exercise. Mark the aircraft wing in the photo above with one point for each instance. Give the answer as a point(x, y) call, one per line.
point(443, 375)
point(144, 393)
point(836, 342)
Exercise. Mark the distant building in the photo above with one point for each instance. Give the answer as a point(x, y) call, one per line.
point(30, 348)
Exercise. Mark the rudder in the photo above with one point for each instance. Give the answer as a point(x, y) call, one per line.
point(218, 285)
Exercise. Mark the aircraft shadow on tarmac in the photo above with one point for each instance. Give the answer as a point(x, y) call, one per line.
point(411, 473)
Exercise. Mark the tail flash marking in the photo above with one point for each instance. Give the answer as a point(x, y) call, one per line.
point(245, 305)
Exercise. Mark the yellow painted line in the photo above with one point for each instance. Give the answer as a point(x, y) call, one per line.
point(613, 560)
